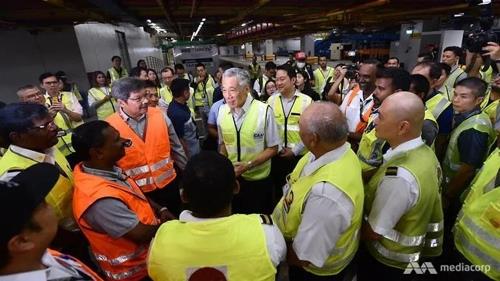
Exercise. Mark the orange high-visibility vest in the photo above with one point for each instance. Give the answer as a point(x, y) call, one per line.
point(119, 258)
point(75, 264)
point(148, 161)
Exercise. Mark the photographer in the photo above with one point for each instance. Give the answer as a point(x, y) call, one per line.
point(335, 91)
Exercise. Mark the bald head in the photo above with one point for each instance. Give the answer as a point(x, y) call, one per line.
point(325, 120)
point(406, 106)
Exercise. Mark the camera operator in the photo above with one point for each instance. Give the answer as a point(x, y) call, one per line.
point(335, 91)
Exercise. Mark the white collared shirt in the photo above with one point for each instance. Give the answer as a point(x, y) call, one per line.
point(47, 157)
point(54, 271)
point(395, 195)
point(327, 214)
point(355, 109)
point(275, 242)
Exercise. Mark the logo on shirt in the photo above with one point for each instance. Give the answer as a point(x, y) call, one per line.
point(258, 135)
point(207, 273)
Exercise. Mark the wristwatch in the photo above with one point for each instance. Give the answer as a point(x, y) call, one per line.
point(250, 165)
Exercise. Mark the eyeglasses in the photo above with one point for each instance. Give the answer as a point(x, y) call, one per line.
point(51, 82)
point(139, 99)
point(48, 125)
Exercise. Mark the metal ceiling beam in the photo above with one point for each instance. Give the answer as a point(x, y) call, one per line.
point(242, 15)
point(168, 17)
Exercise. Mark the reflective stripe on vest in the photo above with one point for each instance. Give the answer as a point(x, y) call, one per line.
point(460, 239)
point(451, 81)
point(114, 75)
point(288, 124)
point(107, 108)
point(204, 92)
point(437, 105)
point(148, 160)
point(119, 258)
point(419, 231)
point(479, 122)
point(243, 144)
point(288, 212)
point(320, 78)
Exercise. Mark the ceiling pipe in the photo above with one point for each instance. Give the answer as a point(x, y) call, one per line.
point(168, 17)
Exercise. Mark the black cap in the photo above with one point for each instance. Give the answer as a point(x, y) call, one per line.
point(20, 196)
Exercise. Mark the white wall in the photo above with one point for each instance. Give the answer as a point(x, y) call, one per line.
point(98, 43)
point(26, 55)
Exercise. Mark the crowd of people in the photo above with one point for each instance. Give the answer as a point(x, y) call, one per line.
point(282, 172)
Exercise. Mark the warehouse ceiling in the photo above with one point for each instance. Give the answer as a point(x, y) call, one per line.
point(231, 20)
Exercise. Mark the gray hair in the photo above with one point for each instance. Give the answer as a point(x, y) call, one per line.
point(327, 122)
point(122, 88)
point(241, 75)
point(21, 90)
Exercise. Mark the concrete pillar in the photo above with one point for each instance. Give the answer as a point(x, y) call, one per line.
point(451, 38)
point(409, 44)
point(269, 51)
point(248, 50)
point(307, 44)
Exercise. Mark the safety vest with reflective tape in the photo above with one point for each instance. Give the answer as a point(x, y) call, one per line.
point(451, 81)
point(370, 148)
point(288, 125)
point(245, 143)
point(288, 212)
point(437, 104)
point(234, 247)
point(107, 108)
point(418, 232)
point(148, 161)
point(63, 121)
point(74, 264)
point(320, 78)
point(476, 232)
point(166, 94)
point(113, 73)
point(491, 110)
point(255, 70)
point(486, 75)
point(60, 196)
point(446, 92)
point(119, 258)
point(204, 92)
point(479, 122)
point(486, 98)
point(429, 117)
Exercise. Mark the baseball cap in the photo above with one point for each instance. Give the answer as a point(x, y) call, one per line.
point(20, 196)
point(300, 56)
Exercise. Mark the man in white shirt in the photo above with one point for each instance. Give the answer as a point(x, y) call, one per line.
point(208, 237)
point(358, 103)
point(402, 201)
point(321, 209)
point(28, 227)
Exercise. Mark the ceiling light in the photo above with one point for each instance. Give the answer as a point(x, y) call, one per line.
point(203, 19)
point(459, 15)
point(409, 31)
point(244, 24)
point(243, 46)
point(148, 21)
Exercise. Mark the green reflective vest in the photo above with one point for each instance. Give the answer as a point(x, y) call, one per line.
point(61, 195)
point(320, 78)
point(64, 122)
point(419, 232)
point(106, 108)
point(204, 92)
point(288, 125)
point(245, 143)
point(115, 75)
point(288, 212)
point(451, 81)
point(370, 148)
point(479, 122)
point(437, 104)
point(476, 232)
point(232, 247)
point(166, 94)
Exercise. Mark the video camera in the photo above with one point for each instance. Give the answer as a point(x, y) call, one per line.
point(481, 34)
point(352, 72)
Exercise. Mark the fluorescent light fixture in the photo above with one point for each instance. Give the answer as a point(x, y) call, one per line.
point(244, 24)
point(203, 19)
point(148, 21)
point(484, 2)
point(459, 15)
point(409, 31)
